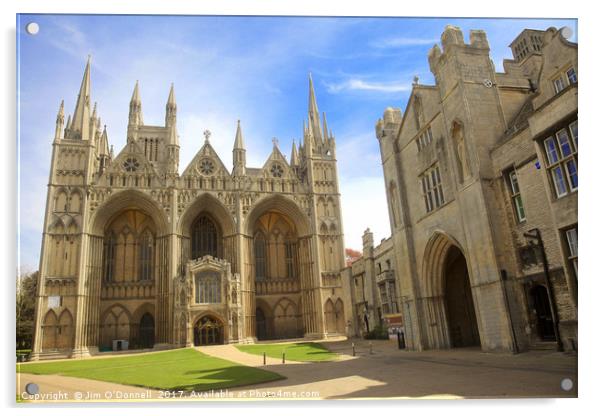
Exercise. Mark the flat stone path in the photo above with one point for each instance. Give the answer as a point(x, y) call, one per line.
point(385, 373)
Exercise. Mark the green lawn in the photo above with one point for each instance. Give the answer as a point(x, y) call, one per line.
point(298, 351)
point(182, 369)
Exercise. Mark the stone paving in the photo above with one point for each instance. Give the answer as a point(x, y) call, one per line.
point(385, 373)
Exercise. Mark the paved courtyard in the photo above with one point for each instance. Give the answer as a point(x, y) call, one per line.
point(386, 373)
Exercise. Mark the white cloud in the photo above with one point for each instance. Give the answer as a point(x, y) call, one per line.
point(403, 41)
point(355, 84)
point(364, 206)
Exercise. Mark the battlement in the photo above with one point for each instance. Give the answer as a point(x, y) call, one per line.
point(452, 37)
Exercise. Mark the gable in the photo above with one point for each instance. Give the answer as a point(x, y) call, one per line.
point(206, 163)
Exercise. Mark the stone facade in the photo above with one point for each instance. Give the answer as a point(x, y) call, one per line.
point(481, 177)
point(373, 282)
point(138, 255)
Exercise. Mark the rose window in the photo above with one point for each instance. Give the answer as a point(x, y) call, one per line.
point(131, 164)
point(206, 167)
point(277, 170)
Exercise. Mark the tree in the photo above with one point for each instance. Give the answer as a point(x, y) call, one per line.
point(26, 303)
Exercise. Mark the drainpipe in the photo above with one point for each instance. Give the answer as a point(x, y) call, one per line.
point(535, 234)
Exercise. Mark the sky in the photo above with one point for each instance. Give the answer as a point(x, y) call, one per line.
point(224, 69)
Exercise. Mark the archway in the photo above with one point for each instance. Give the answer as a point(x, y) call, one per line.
point(146, 331)
point(286, 320)
point(329, 314)
point(262, 325)
point(208, 330)
point(49, 331)
point(462, 321)
point(543, 313)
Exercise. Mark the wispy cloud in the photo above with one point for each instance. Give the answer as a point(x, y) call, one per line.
point(403, 42)
point(355, 84)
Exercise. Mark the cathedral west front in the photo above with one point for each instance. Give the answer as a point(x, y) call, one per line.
point(137, 255)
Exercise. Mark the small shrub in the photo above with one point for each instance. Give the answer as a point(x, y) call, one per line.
point(379, 332)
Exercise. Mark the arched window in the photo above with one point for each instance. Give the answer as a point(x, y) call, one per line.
point(145, 256)
point(289, 259)
point(208, 288)
point(260, 257)
point(204, 238)
point(109, 258)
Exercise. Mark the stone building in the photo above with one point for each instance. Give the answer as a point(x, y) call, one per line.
point(481, 179)
point(136, 254)
point(373, 288)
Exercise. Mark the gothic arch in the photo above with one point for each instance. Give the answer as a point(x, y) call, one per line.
point(61, 200)
point(447, 295)
point(329, 315)
point(286, 319)
point(280, 204)
point(339, 314)
point(49, 330)
point(124, 200)
point(206, 203)
point(458, 135)
point(75, 200)
point(433, 262)
point(64, 339)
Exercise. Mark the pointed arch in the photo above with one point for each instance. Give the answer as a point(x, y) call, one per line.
point(260, 253)
point(49, 331)
point(281, 204)
point(75, 200)
point(339, 313)
point(65, 330)
point(146, 251)
point(129, 199)
point(329, 315)
point(61, 200)
point(206, 203)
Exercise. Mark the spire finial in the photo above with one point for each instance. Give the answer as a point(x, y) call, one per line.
point(313, 113)
point(171, 100)
point(81, 116)
point(275, 141)
point(238, 141)
point(207, 134)
point(136, 94)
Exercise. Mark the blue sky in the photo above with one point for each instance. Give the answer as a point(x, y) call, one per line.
point(227, 68)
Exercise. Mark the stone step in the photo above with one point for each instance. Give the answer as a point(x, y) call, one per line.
point(544, 346)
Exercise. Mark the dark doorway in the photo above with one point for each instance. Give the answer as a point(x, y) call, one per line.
point(208, 331)
point(147, 331)
point(541, 303)
point(260, 320)
point(461, 315)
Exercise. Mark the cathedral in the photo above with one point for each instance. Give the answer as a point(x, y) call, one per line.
point(136, 255)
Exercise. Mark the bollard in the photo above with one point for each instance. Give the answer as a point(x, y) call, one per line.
point(283, 360)
point(371, 352)
point(353, 349)
point(264, 358)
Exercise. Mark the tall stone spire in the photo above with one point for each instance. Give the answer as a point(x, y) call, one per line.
point(104, 154)
point(135, 117)
point(171, 108)
point(239, 154)
point(325, 126)
point(313, 113)
point(60, 120)
point(238, 142)
point(294, 155)
point(80, 124)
